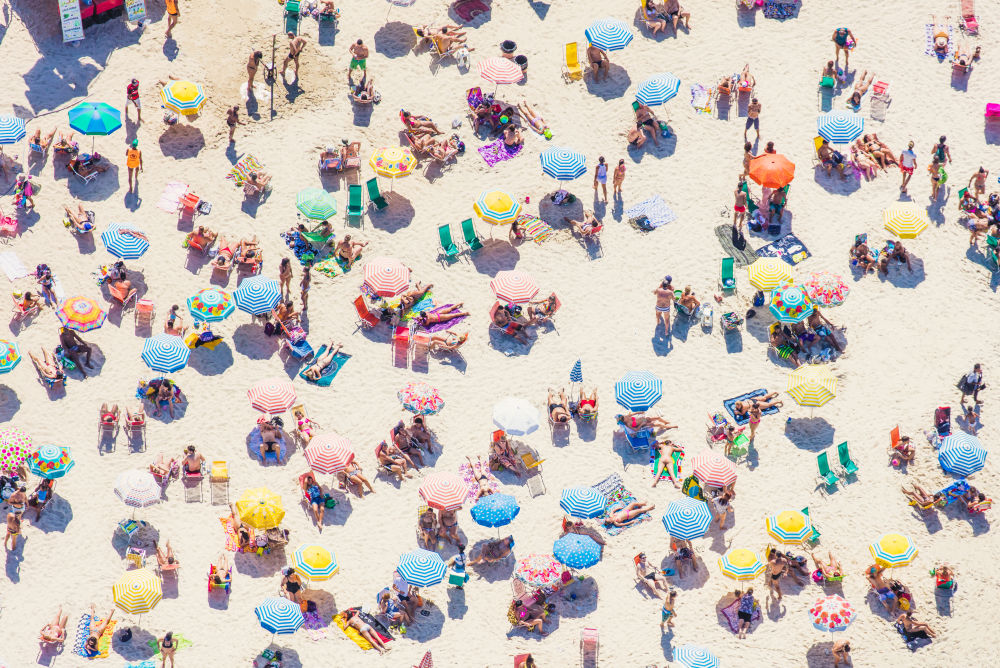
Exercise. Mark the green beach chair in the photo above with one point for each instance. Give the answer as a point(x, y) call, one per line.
point(727, 281)
point(850, 468)
point(316, 238)
point(813, 537)
point(447, 245)
point(635, 106)
point(470, 236)
point(741, 445)
point(751, 205)
point(355, 202)
point(292, 17)
point(993, 251)
point(825, 474)
point(374, 196)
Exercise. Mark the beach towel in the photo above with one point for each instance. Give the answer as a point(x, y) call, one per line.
point(352, 633)
point(730, 612)
point(181, 643)
point(329, 373)
point(232, 540)
point(12, 266)
point(241, 170)
point(330, 267)
point(470, 9)
point(779, 10)
point(728, 403)
point(83, 632)
point(497, 152)
point(315, 626)
point(441, 326)
point(534, 227)
point(789, 248)
point(743, 257)
point(701, 99)
point(654, 462)
point(144, 664)
point(470, 481)
point(171, 197)
point(654, 210)
point(618, 496)
point(914, 640)
point(929, 42)
point(256, 445)
point(301, 248)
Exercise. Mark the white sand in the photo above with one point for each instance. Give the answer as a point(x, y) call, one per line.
point(908, 338)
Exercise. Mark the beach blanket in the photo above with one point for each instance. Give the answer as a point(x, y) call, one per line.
point(301, 248)
point(728, 403)
point(915, 640)
point(929, 42)
point(470, 9)
point(329, 373)
point(731, 614)
point(232, 540)
point(330, 267)
point(779, 10)
point(171, 197)
point(315, 626)
point(789, 248)
point(83, 632)
point(441, 326)
point(144, 664)
point(471, 485)
point(181, 643)
point(701, 99)
point(497, 152)
point(352, 633)
point(241, 170)
point(743, 257)
point(675, 467)
point(534, 227)
point(256, 445)
point(618, 496)
point(12, 266)
point(654, 210)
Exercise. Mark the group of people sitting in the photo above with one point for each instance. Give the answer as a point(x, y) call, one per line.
point(811, 339)
point(421, 131)
point(444, 38)
point(974, 500)
point(656, 17)
point(512, 319)
point(867, 260)
point(983, 216)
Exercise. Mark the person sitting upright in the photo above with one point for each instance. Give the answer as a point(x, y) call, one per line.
point(599, 61)
point(201, 237)
point(590, 226)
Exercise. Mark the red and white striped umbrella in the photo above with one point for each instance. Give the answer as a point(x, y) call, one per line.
point(329, 453)
point(444, 491)
point(500, 70)
point(273, 395)
point(386, 276)
point(713, 469)
point(514, 286)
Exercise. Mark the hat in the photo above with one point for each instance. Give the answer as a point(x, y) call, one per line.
point(135, 142)
point(668, 278)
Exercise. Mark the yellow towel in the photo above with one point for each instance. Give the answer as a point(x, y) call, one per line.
point(104, 644)
point(351, 632)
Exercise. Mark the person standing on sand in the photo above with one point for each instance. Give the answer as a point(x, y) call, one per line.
point(13, 530)
point(972, 383)
point(173, 13)
point(664, 302)
point(252, 66)
point(132, 95)
point(753, 119)
point(618, 179)
point(977, 182)
point(295, 46)
point(359, 56)
point(841, 36)
point(601, 177)
point(841, 652)
point(133, 160)
point(907, 161)
point(739, 206)
point(232, 119)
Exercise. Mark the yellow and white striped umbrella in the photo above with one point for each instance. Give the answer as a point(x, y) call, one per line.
point(893, 549)
point(905, 221)
point(768, 273)
point(741, 564)
point(812, 385)
point(260, 508)
point(137, 591)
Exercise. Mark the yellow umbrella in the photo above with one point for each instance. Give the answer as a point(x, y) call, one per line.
point(741, 564)
point(789, 527)
point(260, 508)
point(893, 549)
point(812, 385)
point(183, 97)
point(315, 562)
point(392, 161)
point(137, 591)
point(906, 221)
point(497, 207)
point(768, 273)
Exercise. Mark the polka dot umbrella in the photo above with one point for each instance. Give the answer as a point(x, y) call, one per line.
point(15, 446)
point(577, 550)
point(495, 510)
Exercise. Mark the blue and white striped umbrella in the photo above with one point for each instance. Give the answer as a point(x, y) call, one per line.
point(693, 656)
point(962, 454)
point(165, 353)
point(638, 390)
point(576, 373)
point(422, 568)
point(121, 244)
point(658, 89)
point(11, 129)
point(609, 34)
point(577, 550)
point(495, 510)
point(840, 127)
point(257, 295)
point(563, 164)
point(687, 518)
point(583, 502)
point(279, 615)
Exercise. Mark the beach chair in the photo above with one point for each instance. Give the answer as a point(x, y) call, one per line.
point(187, 207)
point(421, 346)
point(316, 238)
point(374, 196)
point(366, 318)
point(826, 476)
point(135, 557)
point(109, 429)
point(355, 203)
point(145, 311)
point(992, 248)
point(817, 143)
point(219, 482)
point(571, 70)
point(401, 347)
point(814, 535)
point(844, 456)
point(19, 312)
point(131, 528)
point(970, 22)
point(192, 483)
point(727, 279)
point(751, 204)
point(352, 156)
point(292, 17)
point(226, 581)
point(135, 429)
point(532, 468)
point(86, 178)
point(589, 645)
point(121, 297)
point(449, 250)
point(942, 421)
point(472, 240)
point(295, 342)
point(774, 326)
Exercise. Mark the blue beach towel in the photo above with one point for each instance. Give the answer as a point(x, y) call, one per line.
point(728, 403)
point(331, 370)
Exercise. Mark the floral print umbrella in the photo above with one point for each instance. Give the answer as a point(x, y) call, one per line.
point(826, 289)
point(790, 303)
point(831, 613)
point(539, 570)
point(420, 398)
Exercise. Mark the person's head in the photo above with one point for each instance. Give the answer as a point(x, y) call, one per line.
point(673, 594)
point(288, 304)
point(299, 414)
point(190, 448)
point(825, 143)
point(941, 139)
point(359, 42)
point(666, 281)
point(770, 147)
point(601, 160)
point(135, 143)
point(855, 98)
point(529, 661)
point(168, 636)
point(461, 548)
point(550, 607)
point(257, 55)
point(289, 572)
point(977, 367)
point(982, 170)
point(910, 146)
point(285, 263)
point(687, 290)
point(278, 655)
point(829, 64)
point(935, 162)
point(290, 34)
point(253, 176)
point(236, 109)
point(747, 146)
point(135, 82)
point(22, 488)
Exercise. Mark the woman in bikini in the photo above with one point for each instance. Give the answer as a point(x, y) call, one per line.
point(666, 449)
point(558, 410)
point(354, 475)
point(353, 619)
point(860, 88)
point(444, 314)
point(428, 528)
point(411, 297)
point(80, 220)
point(96, 631)
point(742, 407)
point(830, 570)
point(394, 462)
point(587, 405)
point(315, 371)
point(448, 522)
point(637, 421)
point(623, 517)
point(941, 38)
point(55, 631)
point(918, 496)
point(304, 425)
point(502, 454)
point(419, 125)
point(534, 120)
point(447, 342)
point(224, 255)
point(494, 551)
point(541, 309)
point(48, 366)
point(482, 475)
point(167, 648)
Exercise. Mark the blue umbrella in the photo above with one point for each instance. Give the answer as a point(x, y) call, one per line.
point(638, 390)
point(257, 295)
point(576, 373)
point(495, 510)
point(577, 551)
point(422, 568)
point(962, 454)
point(840, 127)
point(165, 353)
point(609, 34)
point(120, 243)
point(11, 129)
point(658, 89)
point(563, 164)
point(693, 656)
point(687, 518)
point(279, 615)
point(584, 502)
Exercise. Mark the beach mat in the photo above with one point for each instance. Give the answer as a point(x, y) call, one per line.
point(232, 540)
point(330, 267)
point(441, 326)
point(180, 641)
point(496, 152)
point(331, 369)
point(654, 462)
point(728, 403)
point(534, 228)
point(789, 248)
point(83, 632)
point(618, 496)
point(929, 42)
point(744, 256)
point(12, 266)
point(170, 200)
point(914, 641)
point(353, 634)
point(731, 614)
point(654, 210)
point(472, 487)
point(779, 10)
point(241, 170)
point(315, 626)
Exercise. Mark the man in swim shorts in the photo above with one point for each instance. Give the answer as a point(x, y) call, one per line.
point(664, 302)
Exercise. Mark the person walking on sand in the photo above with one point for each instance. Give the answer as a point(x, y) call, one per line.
point(977, 182)
point(359, 56)
point(232, 120)
point(295, 46)
point(941, 151)
point(252, 66)
point(618, 179)
point(753, 118)
point(667, 612)
point(907, 161)
point(304, 284)
point(13, 530)
point(972, 383)
point(132, 96)
point(664, 302)
point(133, 160)
point(601, 177)
point(841, 36)
point(173, 13)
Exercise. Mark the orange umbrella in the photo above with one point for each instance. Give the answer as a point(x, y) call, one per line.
point(772, 170)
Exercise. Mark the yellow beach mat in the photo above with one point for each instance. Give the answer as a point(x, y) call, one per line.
point(351, 632)
point(104, 644)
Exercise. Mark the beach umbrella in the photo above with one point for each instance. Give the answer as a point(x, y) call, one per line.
point(279, 615)
point(273, 395)
point(183, 97)
point(499, 70)
point(514, 286)
point(576, 373)
point(386, 276)
point(893, 549)
point(840, 127)
point(137, 591)
point(609, 34)
point(10, 355)
point(398, 3)
point(539, 570)
point(741, 564)
point(693, 656)
point(420, 398)
point(790, 303)
point(316, 204)
point(831, 613)
point(577, 550)
point(812, 385)
point(497, 207)
point(165, 353)
point(826, 289)
point(15, 447)
point(257, 295)
point(711, 468)
point(81, 313)
point(789, 527)
point(583, 502)
point(211, 305)
point(329, 453)
point(50, 461)
point(772, 170)
point(638, 390)
point(563, 164)
point(768, 273)
point(137, 488)
point(495, 510)
point(315, 562)
point(515, 416)
point(260, 508)
point(687, 518)
point(905, 221)
point(393, 162)
point(12, 129)
point(421, 568)
point(961, 454)
point(444, 491)
point(94, 118)
point(658, 89)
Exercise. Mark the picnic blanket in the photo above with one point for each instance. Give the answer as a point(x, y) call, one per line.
point(534, 227)
point(470, 9)
point(470, 481)
point(731, 614)
point(315, 626)
point(789, 248)
point(83, 632)
point(498, 152)
point(12, 266)
point(914, 640)
point(143, 664)
point(352, 633)
point(618, 496)
point(440, 326)
point(232, 540)
point(171, 197)
point(241, 170)
point(744, 256)
point(728, 403)
point(331, 267)
point(701, 99)
point(181, 643)
point(929, 42)
point(301, 248)
point(779, 10)
point(654, 210)
point(654, 462)
point(329, 372)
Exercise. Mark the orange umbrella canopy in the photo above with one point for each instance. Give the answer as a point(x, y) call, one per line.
point(772, 170)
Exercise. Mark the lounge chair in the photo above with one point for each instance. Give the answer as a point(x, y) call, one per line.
point(469, 235)
point(252, 265)
point(727, 280)
point(781, 355)
point(87, 178)
point(532, 469)
point(374, 196)
point(19, 312)
point(145, 312)
point(109, 429)
point(401, 347)
point(131, 528)
point(135, 429)
point(571, 68)
point(942, 421)
point(589, 646)
point(316, 238)
point(352, 156)
point(848, 466)
point(813, 537)
point(355, 202)
point(292, 17)
point(366, 318)
point(218, 478)
point(970, 22)
point(187, 206)
point(121, 297)
point(295, 341)
point(826, 476)
point(449, 250)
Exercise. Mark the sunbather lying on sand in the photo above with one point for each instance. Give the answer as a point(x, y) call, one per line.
point(741, 408)
point(831, 569)
point(860, 88)
point(919, 496)
point(48, 366)
point(354, 475)
point(79, 219)
point(483, 477)
point(533, 119)
point(315, 372)
point(443, 314)
point(494, 551)
point(666, 450)
point(589, 226)
point(411, 297)
point(623, 517)
point(364, 92)
point(941, 37)
point(96, 629)
point(447, 342)
point(353, 620)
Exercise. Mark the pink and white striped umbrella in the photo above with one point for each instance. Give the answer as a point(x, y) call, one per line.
point(713, 469)
point(386, 276)
point(500, 70)
point(514, 286)
point(273, 395)
point(444, 491)
point(138, 488)
point(329, 453)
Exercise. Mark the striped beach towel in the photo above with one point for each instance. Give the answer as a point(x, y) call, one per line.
point(241, 170)
point(534, 228)
point(83, 632)
point(618, 496)
point(929, 41)
point(232, 540)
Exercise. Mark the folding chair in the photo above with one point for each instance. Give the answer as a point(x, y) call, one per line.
point(374, 196)
point(469, 235)
point(366, 319)
point(219, 482)
point(401, 347)
point(826, 476)
point(119, 296)
point(135, 557)
point(421, 345)
point(449, 249)
point(727, 279)
point(813, 537)
point(145, 311)
point(355, 202)
point(532, 468)
point(589, 645)
point(571, 68)
point(848, 466)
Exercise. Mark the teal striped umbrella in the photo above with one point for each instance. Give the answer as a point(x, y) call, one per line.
point(316, 204)
point(94, 118)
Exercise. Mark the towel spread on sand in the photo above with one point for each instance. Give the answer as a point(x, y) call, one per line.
point(654, 210)
point(441, 326)
point(929, 44)
point(329, 371)
point(534, 227)
point(778, 10)
point(744, 256)
point(789, 248)
point(470, 481)
point(730, 612)
point(675, 467)
point(618, 496)
point(743, 419)
point(498, 152)
point(232, 540)
point(353, 634)
point(241, 170)
point(83, 632)
point(181, 641)
point(701, 99)
point(329, 267)
point(12, 266)
point(315, 626)
point(171, 197)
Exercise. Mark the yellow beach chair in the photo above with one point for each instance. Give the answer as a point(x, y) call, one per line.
point(572, 70)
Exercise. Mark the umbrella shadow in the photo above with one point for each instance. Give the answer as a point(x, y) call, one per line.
point(396, 216)
point(56, 516)
point(812, 433)
point(901, 278)
point(613, 87)
point(211, 362)
point(100, 189)
point(629, 456)
point(250, 341)
point(495, 256)
point(508, 345)
point(181, 141)
point(554, 214)
point(395, 40)
point(260, 566)
point(820, 655)
point(692, 579)
point(579, 599)
point(9, 403)
point(427, 623)
point(135, 648)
